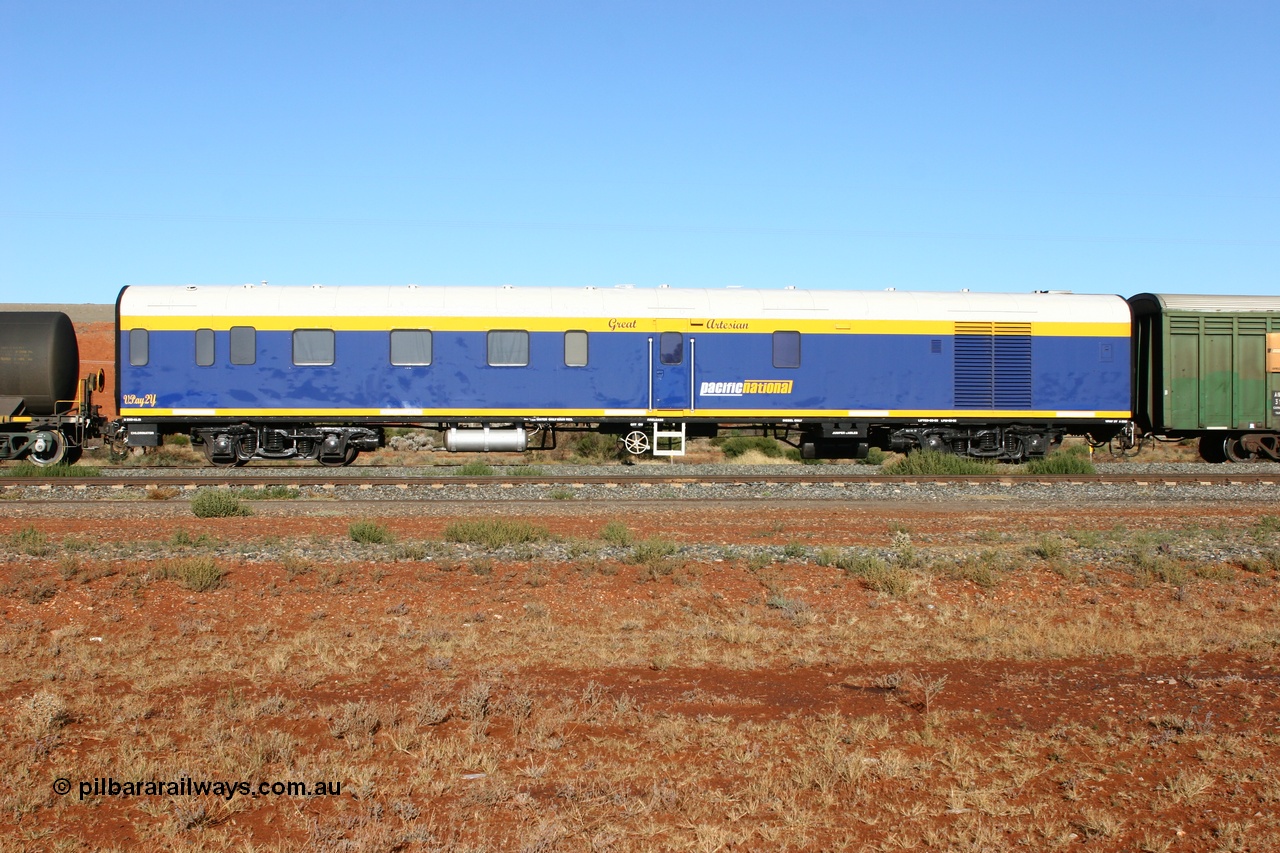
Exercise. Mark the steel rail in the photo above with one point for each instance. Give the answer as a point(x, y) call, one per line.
point(300, 478)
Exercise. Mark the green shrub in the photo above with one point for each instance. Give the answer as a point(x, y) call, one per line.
point(925, 463)
point(217, 503)
point(596, 447)
point(876, 574)
point(1215, 572)
point(875, 456)
point(30, 469)
point(652, 551)
point(160, 457)
point(1145, 566)
point(1059, 463)
point(370, 533)
point(198, 574)
point(616, 533)
point(30, 541)
point(1086, 538)
point(795, 611)
point(983, 569)
point(827, 556)
point(1048, 548)
point(183, 539)
point(476, 469)
point(495, 532)
point(1267, 525)
point(269, 493)
point(1267, 561)
point(737, 445)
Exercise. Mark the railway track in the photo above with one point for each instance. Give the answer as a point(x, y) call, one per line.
point(327, 479)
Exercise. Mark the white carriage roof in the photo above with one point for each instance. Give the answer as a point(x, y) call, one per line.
point(660, 302)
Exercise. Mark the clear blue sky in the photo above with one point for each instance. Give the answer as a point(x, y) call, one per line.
point(1110, 147)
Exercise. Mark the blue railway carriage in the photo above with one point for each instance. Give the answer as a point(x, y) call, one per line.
point(317, 372)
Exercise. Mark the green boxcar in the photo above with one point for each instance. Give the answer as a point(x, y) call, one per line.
point(1209, 367)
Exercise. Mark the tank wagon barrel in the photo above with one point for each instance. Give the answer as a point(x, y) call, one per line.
point(46, 413)
point(39, 363)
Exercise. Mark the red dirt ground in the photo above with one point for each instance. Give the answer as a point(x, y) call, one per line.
point(1146, 746)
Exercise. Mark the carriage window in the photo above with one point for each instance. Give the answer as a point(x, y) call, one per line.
point(139, 347)
point(204, 347)
point(410, 346)
point(671, 348)
point(575, 349)
point(313, 346)
point(508, 348)
point(244, 345)
point(786, 349)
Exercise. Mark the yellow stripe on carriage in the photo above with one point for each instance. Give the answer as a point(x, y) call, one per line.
point(429, 414)
point(695, 326)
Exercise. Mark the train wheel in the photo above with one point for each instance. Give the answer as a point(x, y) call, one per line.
point(223, 462)
point(48, 448)
point(346, 459)
point(1236, 451)
point(1213, 448)
point(636, 442)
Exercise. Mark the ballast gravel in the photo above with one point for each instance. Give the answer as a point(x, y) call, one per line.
point(650, 482)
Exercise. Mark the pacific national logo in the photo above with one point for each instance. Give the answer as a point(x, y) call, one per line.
point(747, 386)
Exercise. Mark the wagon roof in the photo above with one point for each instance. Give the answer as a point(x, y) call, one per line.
point(1203, 303)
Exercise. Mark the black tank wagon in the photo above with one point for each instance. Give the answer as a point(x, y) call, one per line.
point(46, 411)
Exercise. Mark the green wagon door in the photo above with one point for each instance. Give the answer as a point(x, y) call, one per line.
point(1253, 403)
point(1216, 373)
point(1182, 399)
point(1217, 378)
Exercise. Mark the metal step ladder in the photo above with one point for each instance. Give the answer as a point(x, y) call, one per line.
point(677, 441)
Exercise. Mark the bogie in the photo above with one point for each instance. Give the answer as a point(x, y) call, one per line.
point(329, 445)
